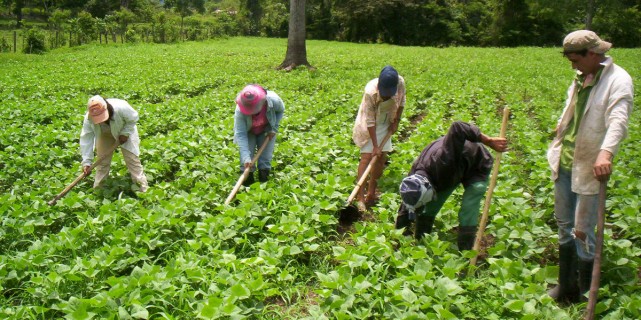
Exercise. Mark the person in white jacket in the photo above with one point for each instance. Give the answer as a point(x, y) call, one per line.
point(588, 136)
point(109, 122)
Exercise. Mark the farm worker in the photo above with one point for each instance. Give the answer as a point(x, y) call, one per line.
point(258, 114)
point(588, 134)
point(456, 158)
point(107, 122)
point(379, 113)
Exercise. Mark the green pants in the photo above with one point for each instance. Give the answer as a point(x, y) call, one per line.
point(468, 215)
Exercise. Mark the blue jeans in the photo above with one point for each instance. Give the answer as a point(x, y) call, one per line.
point(576, 216)
point(256, 141)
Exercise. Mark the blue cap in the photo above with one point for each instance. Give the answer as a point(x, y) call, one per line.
point(388, 81)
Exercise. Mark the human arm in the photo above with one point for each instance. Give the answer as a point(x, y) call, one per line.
point(459, 132)
point(130, 118)
point(400, 98)
point(278, 110)
point(619, 107)
point(87, 141)
point(240, 136)
point(496, 143)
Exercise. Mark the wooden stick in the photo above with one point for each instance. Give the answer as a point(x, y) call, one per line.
point(367, 170)
point(83, 175)
point(490, 191)
point(596, 269)
point(246, 172)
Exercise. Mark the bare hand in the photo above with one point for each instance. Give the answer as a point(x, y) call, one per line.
point(603, 165)
point(271, 135)
point(248, 165)
point(86, 170)
point(122, 139)
point(496, 143)
point(376, 152)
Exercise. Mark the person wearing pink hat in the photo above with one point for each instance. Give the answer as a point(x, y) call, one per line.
point(379, 113)
point(106, 123)
point(589, 133)
point(257, 116)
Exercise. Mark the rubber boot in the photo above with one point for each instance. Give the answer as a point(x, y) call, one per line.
point(250, 180)
point(423, 226)
point(403, 221)
point(466, 236)
point(585, 278)
point(263, 175)
point(567, 291)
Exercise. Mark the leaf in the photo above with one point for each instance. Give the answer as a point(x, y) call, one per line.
point(408, 295)
point(514, 305)
point(240, 291)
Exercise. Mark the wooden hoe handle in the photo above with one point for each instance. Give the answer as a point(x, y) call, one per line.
point(247, 170)
point(596, 270)
point(82, 175)
point(490, 190)
point(367, 170)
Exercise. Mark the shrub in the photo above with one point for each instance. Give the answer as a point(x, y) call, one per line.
point(35, 41)
point(4, 45)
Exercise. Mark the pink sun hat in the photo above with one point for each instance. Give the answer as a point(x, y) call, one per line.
point(251, 99)
point(97, 108)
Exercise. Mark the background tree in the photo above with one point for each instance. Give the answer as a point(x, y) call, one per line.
point(16, 9)
point(251, 11)
point(296, 49)
point(185, 8)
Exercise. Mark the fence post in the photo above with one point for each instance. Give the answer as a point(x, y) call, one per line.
point(15, 40)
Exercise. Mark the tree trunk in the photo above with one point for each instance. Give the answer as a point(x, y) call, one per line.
point(296, 50)
point(590, 10)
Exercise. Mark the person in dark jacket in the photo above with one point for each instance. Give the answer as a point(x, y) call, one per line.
point(456, 158)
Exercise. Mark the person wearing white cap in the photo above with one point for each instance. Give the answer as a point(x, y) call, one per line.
point(378, 114)
point(257, 116)
point(454, 159)
point(588, 135)
point(106, 123)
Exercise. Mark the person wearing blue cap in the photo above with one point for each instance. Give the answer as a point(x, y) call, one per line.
point(379, 113)
point(456, 158)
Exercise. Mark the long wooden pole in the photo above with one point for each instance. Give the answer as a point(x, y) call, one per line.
point(367, 171)
point(82, 175)
point(246, 172)
point(596, 270)
point(490, 191)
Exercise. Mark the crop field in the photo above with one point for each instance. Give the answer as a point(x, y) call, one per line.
point(278, 251)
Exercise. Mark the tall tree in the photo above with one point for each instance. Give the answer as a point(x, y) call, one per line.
point(185, 8)
point(590, 11)
point(296, 50)
point(252, 10)
point(16, 9)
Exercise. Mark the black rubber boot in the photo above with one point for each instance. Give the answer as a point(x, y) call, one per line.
point(567, 291)
point(466, 236)
point(585, 277)
point(263, 175)
point(423, 226)
point(403, 221)
point(250, 179)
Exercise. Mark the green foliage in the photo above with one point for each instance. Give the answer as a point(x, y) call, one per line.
point(35, 41)
point(5, 46)
point(276, 253)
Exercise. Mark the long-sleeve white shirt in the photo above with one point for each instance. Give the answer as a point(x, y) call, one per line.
point(603, 126)
point(123, 122)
